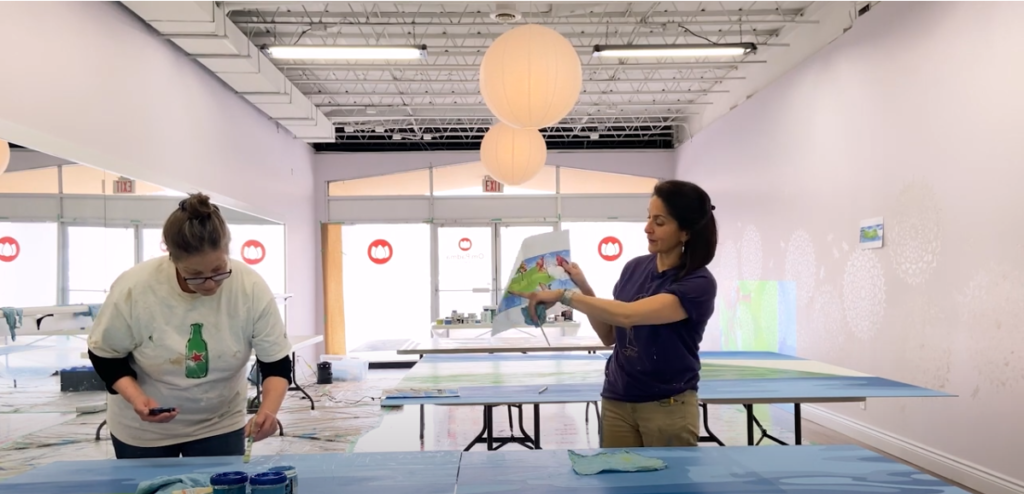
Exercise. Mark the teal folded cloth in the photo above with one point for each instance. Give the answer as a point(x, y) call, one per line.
point(13, 317)
point(618, 461)
point(93, 310)
point(166, 485)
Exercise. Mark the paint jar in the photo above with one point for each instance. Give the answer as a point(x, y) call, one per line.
point(292, 487)
point(229, 482)
point(268, 483)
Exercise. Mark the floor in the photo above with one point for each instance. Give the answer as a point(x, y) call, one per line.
point(38, 424)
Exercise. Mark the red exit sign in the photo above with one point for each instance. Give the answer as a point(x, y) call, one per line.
point(124, 186)
point(492, 185)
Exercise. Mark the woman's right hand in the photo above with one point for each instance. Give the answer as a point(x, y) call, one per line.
point(144, 404)
point(576, 275)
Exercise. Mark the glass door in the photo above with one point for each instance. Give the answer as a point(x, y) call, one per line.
point(465, 262)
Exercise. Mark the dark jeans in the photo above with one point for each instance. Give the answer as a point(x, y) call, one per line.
point(230, 444)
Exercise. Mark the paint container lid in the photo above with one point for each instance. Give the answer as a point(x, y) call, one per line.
point(268, 478)
point(287, 469)
point(229, 478)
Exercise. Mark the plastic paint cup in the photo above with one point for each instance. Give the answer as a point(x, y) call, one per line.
point(229, 482)
point(292, 487)
point(268, 483)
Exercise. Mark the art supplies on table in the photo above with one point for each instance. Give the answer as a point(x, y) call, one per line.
point(292, 487)
point(268, 483)
point(229, 483)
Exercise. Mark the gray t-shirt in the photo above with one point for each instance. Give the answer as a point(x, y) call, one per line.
point(147, 315)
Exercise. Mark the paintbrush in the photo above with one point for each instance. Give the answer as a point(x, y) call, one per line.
point(248, 447)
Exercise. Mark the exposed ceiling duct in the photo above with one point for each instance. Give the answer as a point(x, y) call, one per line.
point(203, 30)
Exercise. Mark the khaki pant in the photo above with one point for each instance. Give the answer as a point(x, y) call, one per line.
point(658, 424)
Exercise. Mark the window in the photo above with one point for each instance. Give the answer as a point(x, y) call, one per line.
point(386, 279)
point(575, 181)
point(28, 264)
point(414, 183)
point(96, 257)
point(602, 249)
point(38, 181)
point(464, 261)
point(467, 179)
point(153, 243)
point(262, 248)
point(82, 179)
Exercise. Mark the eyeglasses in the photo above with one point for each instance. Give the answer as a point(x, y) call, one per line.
point(201, 280)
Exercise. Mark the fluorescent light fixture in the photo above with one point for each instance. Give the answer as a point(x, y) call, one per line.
point(668, 51)
point(348, 52)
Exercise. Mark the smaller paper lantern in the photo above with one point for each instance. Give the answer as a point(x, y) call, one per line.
point(5, 155)
point(530, 77)
point(513, 156)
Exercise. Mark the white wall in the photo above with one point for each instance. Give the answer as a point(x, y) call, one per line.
point(914, 115)
point(91, 83)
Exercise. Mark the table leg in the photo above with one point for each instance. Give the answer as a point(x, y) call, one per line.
point(798, 428)
point(489, 425)
point(536, 425)
point(297, 387)
point(750, 424)
point(711, 437)
point(422, 424)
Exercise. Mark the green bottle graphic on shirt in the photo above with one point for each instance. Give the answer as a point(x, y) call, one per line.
point(197, 362)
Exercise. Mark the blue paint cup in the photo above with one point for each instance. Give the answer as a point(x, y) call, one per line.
point(292, 487)
point(229, 482)
point(268, 483)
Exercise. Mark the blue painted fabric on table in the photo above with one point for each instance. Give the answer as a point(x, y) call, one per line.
point(171, 483)
point(734, 470)
point(732, 355)
point(732, 390)
point(509, 357)
point(432, 472)
point(812, 388)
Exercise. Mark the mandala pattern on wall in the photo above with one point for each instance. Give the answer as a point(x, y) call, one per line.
point(751, 258)
point(823, 338)
point(992, 304)
point(913, 234)
point(928, 341)
point(864, 293)
point(801, 267)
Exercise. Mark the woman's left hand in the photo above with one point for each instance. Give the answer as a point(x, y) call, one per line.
point(543, 297)
point(264, 423)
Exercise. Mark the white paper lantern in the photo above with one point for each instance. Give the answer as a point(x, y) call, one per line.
point(5, 155)
point(531, 77)
point(513, 156)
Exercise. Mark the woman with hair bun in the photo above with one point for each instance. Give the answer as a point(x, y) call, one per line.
point(174, 337)
point(662, 303)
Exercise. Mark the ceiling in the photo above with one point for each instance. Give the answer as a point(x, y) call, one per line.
point(435, 104)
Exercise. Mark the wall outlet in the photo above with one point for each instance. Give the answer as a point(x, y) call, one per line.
point(864, 405)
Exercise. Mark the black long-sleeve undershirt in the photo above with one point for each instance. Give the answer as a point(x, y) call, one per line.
point(112, 370)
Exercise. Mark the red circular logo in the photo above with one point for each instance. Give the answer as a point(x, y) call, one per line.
point(9, 249)
point(609, 248)
point(253, 252)
point(379, 251)
point(465, 244)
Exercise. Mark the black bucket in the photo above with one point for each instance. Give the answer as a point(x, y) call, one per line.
point(323, 373)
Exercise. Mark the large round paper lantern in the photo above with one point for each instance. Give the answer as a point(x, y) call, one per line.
point(531, 77)
point(513, 156)
point(5, 155)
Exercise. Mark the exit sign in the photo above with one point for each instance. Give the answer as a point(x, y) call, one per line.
point(492, 185)
point(124, 186)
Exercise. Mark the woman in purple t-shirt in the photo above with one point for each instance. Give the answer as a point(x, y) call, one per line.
point(662, 303)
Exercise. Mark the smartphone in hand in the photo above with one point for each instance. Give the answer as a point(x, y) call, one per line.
point(159, 410)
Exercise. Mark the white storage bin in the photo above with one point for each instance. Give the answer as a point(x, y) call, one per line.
point(347, 368)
